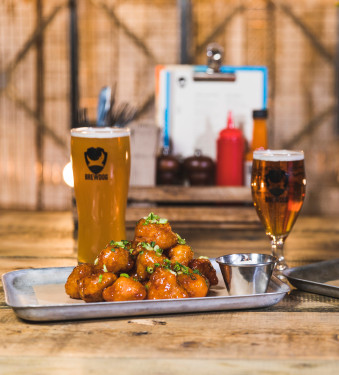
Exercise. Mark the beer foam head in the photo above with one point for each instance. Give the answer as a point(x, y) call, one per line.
point(100, 132)
point(278, 155)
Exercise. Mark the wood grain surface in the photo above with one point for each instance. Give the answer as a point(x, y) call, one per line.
point(198, 194)
point(300, 335)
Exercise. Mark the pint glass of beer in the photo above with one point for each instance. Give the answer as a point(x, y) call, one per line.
point(101, 169)
point(278, 191)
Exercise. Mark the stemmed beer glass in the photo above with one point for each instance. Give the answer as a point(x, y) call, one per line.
point(278, 190)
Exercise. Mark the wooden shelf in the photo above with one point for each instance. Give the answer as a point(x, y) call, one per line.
point(205, 207)
point(188, 194)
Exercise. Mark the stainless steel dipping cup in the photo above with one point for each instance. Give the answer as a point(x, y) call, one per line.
point(246, 274)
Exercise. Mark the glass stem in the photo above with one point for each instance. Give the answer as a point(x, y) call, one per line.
point(277, 245)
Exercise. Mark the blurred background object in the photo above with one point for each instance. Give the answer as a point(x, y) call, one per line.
point(56, 55)
point(199, 170)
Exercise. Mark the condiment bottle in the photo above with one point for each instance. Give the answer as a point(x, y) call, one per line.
point(199, 169)
point(168, 168)
point(230, 155)
point(259, 140)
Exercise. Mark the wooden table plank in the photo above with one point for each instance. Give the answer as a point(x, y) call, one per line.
point(159, 366)
point(228, 335)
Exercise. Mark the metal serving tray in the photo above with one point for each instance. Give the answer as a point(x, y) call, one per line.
point(39, 295)
point(319, 278)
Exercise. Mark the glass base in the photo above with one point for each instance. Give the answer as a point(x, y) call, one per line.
point(281, 265)
point(279, 268)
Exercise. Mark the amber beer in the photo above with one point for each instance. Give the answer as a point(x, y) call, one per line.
point(278, 189)
point(101, 169)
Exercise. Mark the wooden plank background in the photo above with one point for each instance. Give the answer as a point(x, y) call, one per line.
point(121, 41)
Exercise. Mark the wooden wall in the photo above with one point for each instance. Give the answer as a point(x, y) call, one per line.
point(121, 41)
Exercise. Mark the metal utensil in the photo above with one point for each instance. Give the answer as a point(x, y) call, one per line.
point(104, 104)
point(245, 273)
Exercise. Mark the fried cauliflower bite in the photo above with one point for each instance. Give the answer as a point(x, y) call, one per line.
point(115, 257)
point(204, 266)
point(181, 253)
point(163, 284)
point(195, 284)
point(147, 261)
point(125, 289)
point(158, 232)
point(78, 273)
point(91, 287)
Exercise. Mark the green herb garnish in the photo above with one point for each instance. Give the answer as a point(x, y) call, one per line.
point(147, 246)
point(121, 244)
point(100, 278)
point(150, 269)
point(177, 267)
point(104, 268)
point(117, 244)
point(154, 219)
point(152, 246)
point(181, 241)
point(124, 275)
point(167, 263)
point(157, 250)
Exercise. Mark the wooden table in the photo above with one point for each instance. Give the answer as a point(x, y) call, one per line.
point(300, 335)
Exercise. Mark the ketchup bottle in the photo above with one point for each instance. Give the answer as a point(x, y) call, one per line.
point(230, 155)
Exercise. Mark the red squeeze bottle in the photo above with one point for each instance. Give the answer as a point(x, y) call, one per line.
point(230, 155)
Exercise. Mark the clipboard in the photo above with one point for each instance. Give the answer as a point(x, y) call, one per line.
point(192, 103)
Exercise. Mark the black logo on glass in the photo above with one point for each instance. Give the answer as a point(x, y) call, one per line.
point(277, 181)
point(95, 159)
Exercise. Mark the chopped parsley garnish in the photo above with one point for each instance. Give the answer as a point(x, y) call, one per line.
point(181, 241)
point(154, 219)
